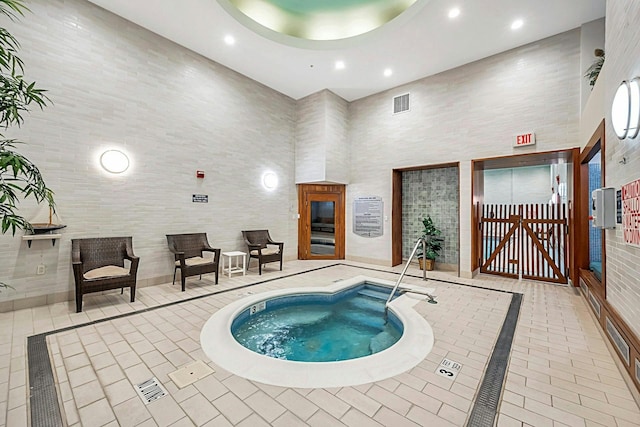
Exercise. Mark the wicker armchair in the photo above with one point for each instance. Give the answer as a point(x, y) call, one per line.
point(98, 265)
point(188, 251)
point(258, 242)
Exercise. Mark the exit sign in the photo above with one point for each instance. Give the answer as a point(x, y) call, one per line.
point(525, 139)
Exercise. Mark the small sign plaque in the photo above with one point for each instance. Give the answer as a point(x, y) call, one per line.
point(619, 206)
point(200, 198)
point(367, 216)
point(525, 139)
point(448, 368)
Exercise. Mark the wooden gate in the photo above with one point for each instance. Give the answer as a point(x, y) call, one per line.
point(528, 241)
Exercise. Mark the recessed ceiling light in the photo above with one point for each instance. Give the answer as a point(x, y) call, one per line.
point(388, 72)
point(518, 23)
point(453, 13)
point(230, 40)
point(339, 65)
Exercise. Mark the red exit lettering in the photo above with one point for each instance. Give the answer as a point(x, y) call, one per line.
point(525, 139)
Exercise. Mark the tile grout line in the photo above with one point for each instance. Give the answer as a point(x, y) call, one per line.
point(43, 396)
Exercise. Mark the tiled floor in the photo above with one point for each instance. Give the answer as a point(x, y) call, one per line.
point(560, 370)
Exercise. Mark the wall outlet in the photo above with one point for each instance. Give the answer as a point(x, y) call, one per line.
point(41, 269)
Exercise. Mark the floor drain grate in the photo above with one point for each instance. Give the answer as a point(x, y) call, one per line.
point(150, 390)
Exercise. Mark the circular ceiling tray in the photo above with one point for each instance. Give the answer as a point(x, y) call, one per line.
point(317, 20)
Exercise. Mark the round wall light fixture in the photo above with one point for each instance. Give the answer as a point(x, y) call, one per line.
point(625, 109)
point(269, 181)
point(114, 161)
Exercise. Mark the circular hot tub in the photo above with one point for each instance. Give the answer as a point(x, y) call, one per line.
point(384, 356)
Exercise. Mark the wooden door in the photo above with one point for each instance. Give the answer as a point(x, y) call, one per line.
point(321, 227)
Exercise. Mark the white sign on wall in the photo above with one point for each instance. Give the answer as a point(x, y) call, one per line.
point(525, 139)
point(367, 216)
point(631, 213)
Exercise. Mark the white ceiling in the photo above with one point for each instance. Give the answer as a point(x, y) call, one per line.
point(419, 43)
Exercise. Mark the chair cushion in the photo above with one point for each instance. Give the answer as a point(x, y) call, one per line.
point(106, 271)
point(267, 251)
point(196, 260)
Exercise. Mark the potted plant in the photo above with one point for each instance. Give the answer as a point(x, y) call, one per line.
point(433, 244)
point(593, 71)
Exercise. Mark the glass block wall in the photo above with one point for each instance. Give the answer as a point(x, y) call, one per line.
point(432, 192)
point(595, 234)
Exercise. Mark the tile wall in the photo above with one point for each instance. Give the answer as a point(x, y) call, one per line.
point(433, 192)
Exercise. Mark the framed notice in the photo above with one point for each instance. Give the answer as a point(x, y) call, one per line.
point(368, 216)
point(200, 198)
point(631, 213)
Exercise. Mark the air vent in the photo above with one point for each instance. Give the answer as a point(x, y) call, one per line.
point(401, 104)
point(583, 286)
point(150, 390)
point(595, 304)
point(619, 342)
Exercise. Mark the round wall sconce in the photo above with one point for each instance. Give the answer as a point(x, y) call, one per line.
point(114, 161)
point(625, 109)
point(269, 180)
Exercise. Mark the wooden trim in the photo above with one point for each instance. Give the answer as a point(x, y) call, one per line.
point(396, 208)
point(321, 192)
point(396, 217)
point(524, 159)
point(425, 167)
point(608, 312)
point(583, 199)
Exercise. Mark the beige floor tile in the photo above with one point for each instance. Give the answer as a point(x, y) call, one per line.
point(96, 414)
point(288, 419)
point(389, 399)
point(240, 387)
point(131, 412)
point(165, 411)
point(359, 401)
point(199, 409)
point(560, 370)
point(297, 404)
point(265, 406)
point(232, 408)
point(87, 393)
point(328, 402)
point(323, 419)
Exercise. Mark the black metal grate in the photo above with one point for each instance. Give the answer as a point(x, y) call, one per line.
point(43, 398)
point(486, 405)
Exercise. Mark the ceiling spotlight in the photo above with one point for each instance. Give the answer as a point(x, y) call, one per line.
point(388, 72)
point(454, 13)
point(518, 23)
point(229, 40)
point(339, 65)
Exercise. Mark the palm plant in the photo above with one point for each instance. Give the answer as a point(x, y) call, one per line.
point(594, 69)
point(19, 177)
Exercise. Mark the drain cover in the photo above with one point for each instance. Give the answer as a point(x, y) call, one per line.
point(190, 373)
point(150, 390)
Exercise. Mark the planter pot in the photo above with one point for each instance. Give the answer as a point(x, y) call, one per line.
point(430, 265)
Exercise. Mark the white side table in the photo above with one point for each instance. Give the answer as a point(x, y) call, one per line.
point(231, 256)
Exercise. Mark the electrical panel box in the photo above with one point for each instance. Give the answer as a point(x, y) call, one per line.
point(604, 207)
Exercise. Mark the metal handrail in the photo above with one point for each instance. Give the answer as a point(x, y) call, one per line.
point(421, 240)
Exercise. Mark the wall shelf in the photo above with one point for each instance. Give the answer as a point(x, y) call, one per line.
point(31, 237)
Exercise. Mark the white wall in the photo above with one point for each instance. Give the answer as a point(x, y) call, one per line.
point(623, 63)
point(471, 112)
point(591, 38)
point(321, 139)
point(114, 84)
point(531, 184)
